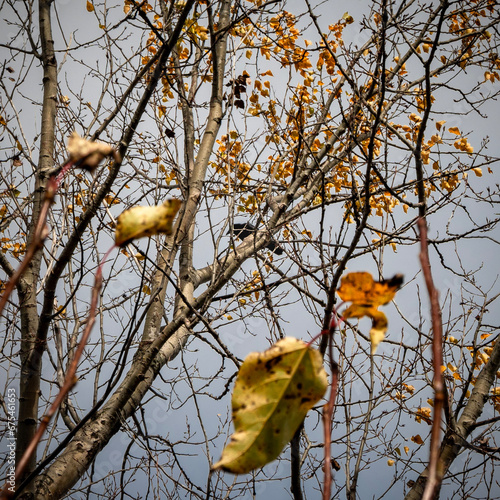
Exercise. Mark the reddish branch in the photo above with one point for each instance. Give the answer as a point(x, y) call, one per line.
point(435, 470)
point(41, 230)
point(39, 234)
point(328, 410)
point(69, 381)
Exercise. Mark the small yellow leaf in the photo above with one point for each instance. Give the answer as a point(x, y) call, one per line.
point(440, 124)
point(424, 414)
point(478, 171)
point(417, 439)
point(348, 18)
point(161, 111)
point(390, 462)
point(137, 222)
point(377, 333)
point(90, 7)
point(406, 450)
point(454, 130)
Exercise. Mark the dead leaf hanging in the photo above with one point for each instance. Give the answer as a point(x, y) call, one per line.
point(87, 154)
point(366, 296)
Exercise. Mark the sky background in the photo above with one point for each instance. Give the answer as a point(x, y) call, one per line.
point(253, 333)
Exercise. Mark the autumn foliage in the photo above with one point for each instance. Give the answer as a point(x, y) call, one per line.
point(202, 204)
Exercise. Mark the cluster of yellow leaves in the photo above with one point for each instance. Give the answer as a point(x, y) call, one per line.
point(463, 145)
point(449, 181)
point(194, 34)
point(250, 288)
point(383, 203)
point(453, 369)
point(229, 154)
point(170, 175)
point(144, 6)
point(424, 414)
point(17, 249)
point(402, 394)
point(468, 26)
point(482, 355)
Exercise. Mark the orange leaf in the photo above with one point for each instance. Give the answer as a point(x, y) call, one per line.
point(440, 124)
point(366, 296)
point(417, 439)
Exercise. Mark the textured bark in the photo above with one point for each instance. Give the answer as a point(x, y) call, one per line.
point(70, 466)
point(31, 349)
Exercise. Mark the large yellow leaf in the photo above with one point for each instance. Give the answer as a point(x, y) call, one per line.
point(137, 222)
point(366, 295)
point(273, 392)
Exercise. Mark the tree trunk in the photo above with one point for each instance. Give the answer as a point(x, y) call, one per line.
point(32, 348)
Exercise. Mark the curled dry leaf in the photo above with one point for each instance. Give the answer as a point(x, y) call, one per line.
point(88, 154)
point(272, 394)
point(366, 296)
point(137, 222)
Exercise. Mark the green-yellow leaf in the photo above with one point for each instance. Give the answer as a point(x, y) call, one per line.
point(273, 392)
point(137, 222)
